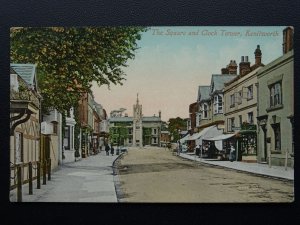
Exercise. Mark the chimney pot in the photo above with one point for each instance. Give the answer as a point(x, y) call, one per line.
point(246, 58)
point(242, 59)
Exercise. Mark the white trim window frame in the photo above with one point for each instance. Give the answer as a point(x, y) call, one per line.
point(218, 104)
point(205, 110)
point(239, 97)
point(232, 100)
point(250, 92)
point(275, 94)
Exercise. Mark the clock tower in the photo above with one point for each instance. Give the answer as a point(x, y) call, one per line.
point(137, 139)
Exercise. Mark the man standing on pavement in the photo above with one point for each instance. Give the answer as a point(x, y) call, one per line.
point(107, 149)
point(197, 149)
point(179, 148)
point(112, 150)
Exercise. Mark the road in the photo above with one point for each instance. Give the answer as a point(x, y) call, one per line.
point(155, 175)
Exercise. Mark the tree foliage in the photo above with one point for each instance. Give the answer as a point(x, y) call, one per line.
point(70, 59)
point(176, 124)
point(118, 134)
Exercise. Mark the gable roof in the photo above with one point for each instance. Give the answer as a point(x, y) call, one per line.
point(203, 93)
point(218, 81)
point(151, 119)
point(27, 72)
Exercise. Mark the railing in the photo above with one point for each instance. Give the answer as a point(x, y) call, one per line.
point(18, 175)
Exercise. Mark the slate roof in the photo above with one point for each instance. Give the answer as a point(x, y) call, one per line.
point(151, 119)
point(203, 93)
point(121, 119)
point(27, 72)
point(218, 80)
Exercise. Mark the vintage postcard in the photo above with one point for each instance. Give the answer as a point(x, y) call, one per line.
point(168, 114)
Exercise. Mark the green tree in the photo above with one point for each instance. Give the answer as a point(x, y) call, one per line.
point(118, 134)
point(70, 59)
point(174, 125)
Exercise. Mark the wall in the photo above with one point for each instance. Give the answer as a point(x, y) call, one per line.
point(281, 67)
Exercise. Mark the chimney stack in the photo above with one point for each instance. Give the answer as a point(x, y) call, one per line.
point(159, 114)
point(288, 39)
point(232, 67)
point(257, 54)
point(244, 66)
point(224, 71)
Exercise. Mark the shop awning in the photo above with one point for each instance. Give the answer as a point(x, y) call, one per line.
point(185, 138)
point(207, 132)
point(220, 137)
point(194, 136)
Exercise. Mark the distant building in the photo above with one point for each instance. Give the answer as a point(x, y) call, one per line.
point(135, 131)
point(164, 138)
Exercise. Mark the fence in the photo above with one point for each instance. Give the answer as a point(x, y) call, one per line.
point(23, 173)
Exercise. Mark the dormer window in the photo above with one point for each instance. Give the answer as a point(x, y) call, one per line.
point(205, 111)
point(218, 104)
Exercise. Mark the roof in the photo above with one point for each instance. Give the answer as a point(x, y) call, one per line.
point(203, 92)
point(27, 72)
point(151, 119)
point(218, 80)
point(276, 62)
point(220, 137)
point(121, 119)
point(238, 77)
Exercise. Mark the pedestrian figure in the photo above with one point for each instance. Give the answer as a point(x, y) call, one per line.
point(112, 150)
point(197, 150)
point(232, 152)
point(179, 148)
point(107, 149)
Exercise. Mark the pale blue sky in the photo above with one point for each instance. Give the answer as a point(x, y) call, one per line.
point(169, 67)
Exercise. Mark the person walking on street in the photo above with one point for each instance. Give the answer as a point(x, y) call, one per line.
point(232, 152)
point(112, 150)
point(107, 149)
point(197, 150)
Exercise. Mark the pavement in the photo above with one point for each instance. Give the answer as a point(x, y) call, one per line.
point(88, 180)
point(250, 167)
point(93, 179)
